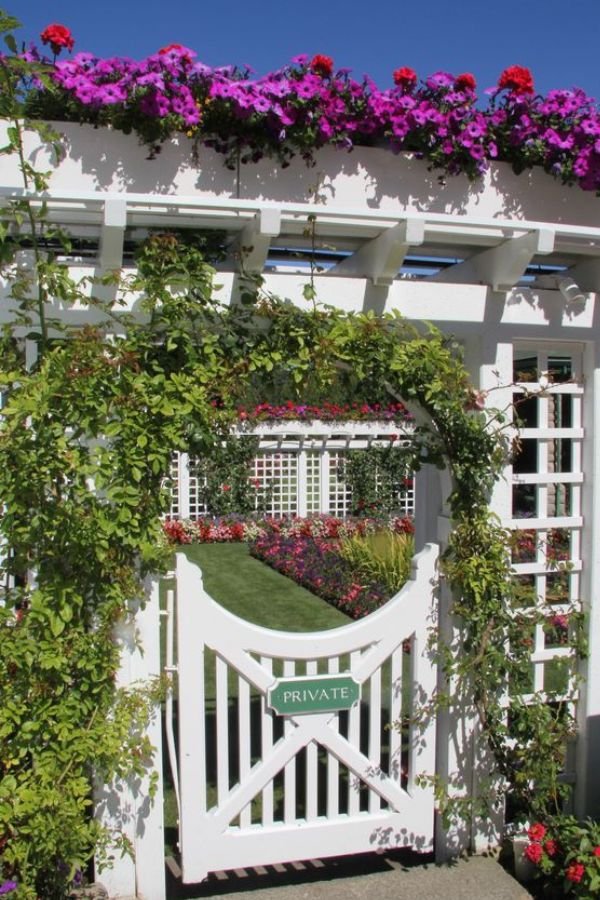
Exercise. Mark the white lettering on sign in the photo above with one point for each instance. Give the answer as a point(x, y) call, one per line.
point(315, 694)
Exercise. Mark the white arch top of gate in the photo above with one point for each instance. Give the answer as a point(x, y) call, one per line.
point(218, 628)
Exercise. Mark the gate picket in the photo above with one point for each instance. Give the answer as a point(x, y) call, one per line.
point(381, 806)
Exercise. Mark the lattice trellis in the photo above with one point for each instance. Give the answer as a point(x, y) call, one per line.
point(547, 505)
point(293, 477)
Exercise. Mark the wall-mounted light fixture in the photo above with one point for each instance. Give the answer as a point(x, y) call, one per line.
point(570, 289)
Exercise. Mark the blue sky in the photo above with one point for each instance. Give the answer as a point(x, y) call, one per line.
point(557, 39)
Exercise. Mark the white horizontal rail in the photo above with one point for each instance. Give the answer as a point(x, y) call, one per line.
point(246, 209)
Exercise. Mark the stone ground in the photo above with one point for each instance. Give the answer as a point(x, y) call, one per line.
point(395, 876)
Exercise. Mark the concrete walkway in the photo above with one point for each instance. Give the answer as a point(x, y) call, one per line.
point(396, 876)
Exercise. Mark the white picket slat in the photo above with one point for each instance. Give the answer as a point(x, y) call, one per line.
point(266, 733)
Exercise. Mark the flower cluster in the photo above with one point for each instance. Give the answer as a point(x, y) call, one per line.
point(566, 853)
point(59, 37)
point(239, 528)
point(222, 529)
point(326, 412)
point(315, 564)
point(308, 103)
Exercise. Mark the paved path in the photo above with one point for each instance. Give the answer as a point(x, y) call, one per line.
point(369, 877)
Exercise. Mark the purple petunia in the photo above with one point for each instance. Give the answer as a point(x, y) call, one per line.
point(295, 109)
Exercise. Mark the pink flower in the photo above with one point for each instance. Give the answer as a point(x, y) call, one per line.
point(225, 487)
point(575, 872)
point(536, 832)
point(534, 852)
point(551, 847)
point(596, 851)
point(476, 400)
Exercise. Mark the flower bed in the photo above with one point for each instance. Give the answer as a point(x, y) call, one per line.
point(315, 564)
point(327, 412)
point(223, 529)
point(309, 104)
point(303, 549)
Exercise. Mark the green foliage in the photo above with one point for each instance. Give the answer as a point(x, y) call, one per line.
point(377, 477)
point(225, 483)
point(383, 556)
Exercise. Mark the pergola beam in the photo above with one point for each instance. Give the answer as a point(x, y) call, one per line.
point(380, 259)
point(501, 266)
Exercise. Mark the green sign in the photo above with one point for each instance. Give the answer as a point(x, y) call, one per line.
point(313, 693)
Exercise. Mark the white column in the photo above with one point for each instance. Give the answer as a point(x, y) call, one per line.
point(587, 788)
point(183, 479)
point(463, 761)
point(301, 484)
point(324, 481)
point(126, 806)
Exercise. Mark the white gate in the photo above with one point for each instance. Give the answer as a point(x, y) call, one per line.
point(257, 787)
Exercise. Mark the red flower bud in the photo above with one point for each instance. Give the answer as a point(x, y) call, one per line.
point(575, 872)
point(465, 82)
point(533, 852)
point(517, 79)
point(536, 832)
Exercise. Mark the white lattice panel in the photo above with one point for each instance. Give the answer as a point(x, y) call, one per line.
point(547, 517)
point(277, 474)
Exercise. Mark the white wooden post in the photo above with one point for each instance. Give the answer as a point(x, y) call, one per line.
point(301, 484)
point(324, 481)
point(183, 477)
point(127, 806)
point(587, 791)
point(495, 376)
point(462, 760)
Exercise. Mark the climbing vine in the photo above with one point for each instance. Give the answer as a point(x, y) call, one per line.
point(86, 437)
point(377, 477)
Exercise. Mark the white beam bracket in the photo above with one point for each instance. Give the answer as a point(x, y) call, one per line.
point(380, 259)
point(586, 275)
point(253, 245)
point(502, 266)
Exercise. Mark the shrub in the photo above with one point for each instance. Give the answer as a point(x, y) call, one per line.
point(383, 556)
point(566, 854)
